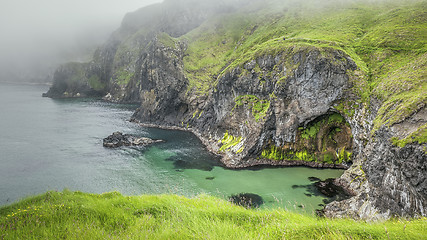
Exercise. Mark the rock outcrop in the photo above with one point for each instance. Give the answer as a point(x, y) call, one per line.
point(385, 180)
point(118, 139)
point(247, 200)
point(75, 80)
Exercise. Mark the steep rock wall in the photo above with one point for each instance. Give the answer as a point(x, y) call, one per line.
point(76, 80)
point(250, 112)
point(386, 180)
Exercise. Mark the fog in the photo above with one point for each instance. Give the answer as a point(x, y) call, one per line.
point(36, 36)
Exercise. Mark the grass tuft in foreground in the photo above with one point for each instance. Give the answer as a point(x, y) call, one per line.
point(76, 215)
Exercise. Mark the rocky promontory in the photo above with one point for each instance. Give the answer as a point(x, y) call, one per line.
point(118, 139)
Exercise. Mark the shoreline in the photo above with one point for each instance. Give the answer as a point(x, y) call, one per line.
point(249, 163)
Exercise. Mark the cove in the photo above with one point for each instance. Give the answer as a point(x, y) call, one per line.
point(48, 144)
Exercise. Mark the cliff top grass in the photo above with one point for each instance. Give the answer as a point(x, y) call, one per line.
point(77, 215)
point(387, 39)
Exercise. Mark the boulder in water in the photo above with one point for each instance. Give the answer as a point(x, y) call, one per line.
point(247, 200)
point(118, 139)
point(331, 190)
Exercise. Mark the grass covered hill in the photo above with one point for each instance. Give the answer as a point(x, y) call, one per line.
point(386, 38)
point(77, 215)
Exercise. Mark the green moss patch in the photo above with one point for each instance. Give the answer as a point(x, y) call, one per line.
point(95, 83)
point(273, 152)
point(229, 141)
point(123, 76)
point(419, 136)
point(259, 107)
point(326, 139)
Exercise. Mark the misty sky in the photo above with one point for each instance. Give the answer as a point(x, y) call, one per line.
point(35, 34)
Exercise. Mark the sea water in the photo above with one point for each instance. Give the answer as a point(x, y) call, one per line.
point(55, 144)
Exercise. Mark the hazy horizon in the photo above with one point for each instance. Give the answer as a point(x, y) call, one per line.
point(37, 36)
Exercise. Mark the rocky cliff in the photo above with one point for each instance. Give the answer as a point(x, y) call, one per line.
point(272, 83)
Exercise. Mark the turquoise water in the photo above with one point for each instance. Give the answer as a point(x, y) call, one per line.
point(48, 144)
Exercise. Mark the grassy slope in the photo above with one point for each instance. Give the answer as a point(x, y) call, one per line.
point(387, 39)
point(76, 215)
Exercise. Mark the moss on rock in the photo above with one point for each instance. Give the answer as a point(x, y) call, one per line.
point(326, 139)
point(231, 143)
point(259, 107)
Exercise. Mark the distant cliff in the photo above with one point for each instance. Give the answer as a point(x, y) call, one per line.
point(270, 83)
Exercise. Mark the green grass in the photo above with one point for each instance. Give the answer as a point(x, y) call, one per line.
point(403, 91)
point(124, 76)
point(95, 83)
point(419, 136)
point(76, 215)
point(209, 47)
point(166, 40)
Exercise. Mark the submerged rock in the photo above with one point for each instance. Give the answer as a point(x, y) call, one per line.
point(247, 200)
point(314, 179)
point(118, 139)
point(333, 191)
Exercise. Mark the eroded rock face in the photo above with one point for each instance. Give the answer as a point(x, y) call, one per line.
point(162, 85)
point(397, 176)
point(118, 139)
point(386, 180)
point(253, 120)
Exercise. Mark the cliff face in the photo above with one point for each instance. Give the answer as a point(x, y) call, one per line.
point(385, 180)
point(273, 84)
point(254, 118)
point(75, 80)
point(114, 65)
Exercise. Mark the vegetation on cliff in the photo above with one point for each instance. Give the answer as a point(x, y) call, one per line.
point(323, 140)
point(386, 39)
point(77, 215)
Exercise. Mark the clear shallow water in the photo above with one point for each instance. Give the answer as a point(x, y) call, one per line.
point(48, 144)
